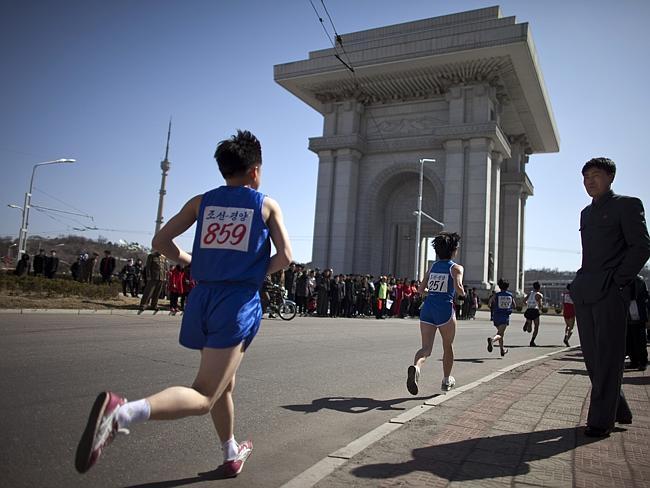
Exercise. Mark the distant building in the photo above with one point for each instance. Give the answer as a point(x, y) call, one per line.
point(551, 289)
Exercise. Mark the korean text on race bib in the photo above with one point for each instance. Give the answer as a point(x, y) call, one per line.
point(505, 302)
point(226, 228)
point(438, 283)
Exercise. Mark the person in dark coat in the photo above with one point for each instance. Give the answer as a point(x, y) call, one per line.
point(302, 292)
point(615, 246)
point(323, 292)
point(75, 269)
point(51, 265)
point(140, 279)
point(39, 263)
point(290, 277)
point(107, 266)
point(636, 345)
point(22, 266)
point(127, 276)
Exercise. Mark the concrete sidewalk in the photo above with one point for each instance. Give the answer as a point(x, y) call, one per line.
point(522, 428)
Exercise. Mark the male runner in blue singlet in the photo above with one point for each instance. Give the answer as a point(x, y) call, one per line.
point(444, 281)
point(230, 257)
point(501, 304)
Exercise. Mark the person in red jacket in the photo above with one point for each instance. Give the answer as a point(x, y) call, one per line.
point(188, 284)
point(175, 286)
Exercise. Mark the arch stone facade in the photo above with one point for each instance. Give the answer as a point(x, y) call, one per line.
point(464, 89)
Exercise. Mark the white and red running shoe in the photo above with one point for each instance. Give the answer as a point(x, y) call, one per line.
point(233, 467)
point(100, 430)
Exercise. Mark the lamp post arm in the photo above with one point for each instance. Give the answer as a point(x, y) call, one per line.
point(432, 219)
point(28, 200)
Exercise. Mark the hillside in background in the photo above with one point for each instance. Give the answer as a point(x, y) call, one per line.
point(68, 248)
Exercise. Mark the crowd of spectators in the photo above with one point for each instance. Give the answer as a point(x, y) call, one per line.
point(324, 293)
point(316, 292)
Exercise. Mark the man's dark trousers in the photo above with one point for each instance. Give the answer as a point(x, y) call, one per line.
point(601, 327)
point(151, 292)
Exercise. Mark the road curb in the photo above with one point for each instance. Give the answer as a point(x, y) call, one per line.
point(82, 311)
point(336, 459)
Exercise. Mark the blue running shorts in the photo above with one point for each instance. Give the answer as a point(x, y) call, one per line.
point(221, 315)
point(436, 313)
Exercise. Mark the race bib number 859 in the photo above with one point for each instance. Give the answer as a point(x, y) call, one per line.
point(226, 228)
point(438, 282)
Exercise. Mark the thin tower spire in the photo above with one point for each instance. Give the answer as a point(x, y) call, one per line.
point(169, 133)
point(164, 166)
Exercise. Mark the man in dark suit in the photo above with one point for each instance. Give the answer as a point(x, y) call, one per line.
point(615, 246)
point(107, 266)
point(51, 265)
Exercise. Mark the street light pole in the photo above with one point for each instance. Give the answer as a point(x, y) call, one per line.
point(22, 236)
point(418, 226)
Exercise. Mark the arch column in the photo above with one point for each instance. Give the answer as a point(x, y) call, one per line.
point(476, 238)
point(495, 201)
point(511, 231)
point(344, 210)
point(322, 224)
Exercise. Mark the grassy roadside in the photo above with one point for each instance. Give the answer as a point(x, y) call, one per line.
point(42, 293)
point(37, 301)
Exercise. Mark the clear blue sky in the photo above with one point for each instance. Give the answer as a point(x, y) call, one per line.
point(98, 81)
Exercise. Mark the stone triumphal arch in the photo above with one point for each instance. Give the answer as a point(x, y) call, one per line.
point(464, 89)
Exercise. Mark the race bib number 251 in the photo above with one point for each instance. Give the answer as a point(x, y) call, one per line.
point(226, 228)
point(438, 282)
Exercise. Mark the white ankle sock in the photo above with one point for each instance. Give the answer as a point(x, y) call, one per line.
point(133, 412)
point(230, 449)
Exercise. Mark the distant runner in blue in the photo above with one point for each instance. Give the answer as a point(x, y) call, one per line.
point(501, 304)
point(235, 225)
point(445, 279)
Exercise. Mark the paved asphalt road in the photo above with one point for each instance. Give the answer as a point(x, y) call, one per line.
point(306, 388)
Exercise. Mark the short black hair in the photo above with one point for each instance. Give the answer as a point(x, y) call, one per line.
point(606, 164)
point(503, 284)
point(536, 286)
point(445, 244)
point(238, 154)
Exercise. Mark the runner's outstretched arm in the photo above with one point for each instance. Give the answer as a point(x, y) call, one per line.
point(279, 236)
point(457, 273)
point(163, 241)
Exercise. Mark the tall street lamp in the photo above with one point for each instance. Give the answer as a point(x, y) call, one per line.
point(22, 236)
point(418, 226)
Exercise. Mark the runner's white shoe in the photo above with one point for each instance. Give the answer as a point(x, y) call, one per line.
point(449, 384)
point(413, 375)
point(100, 431)
point(233, 467)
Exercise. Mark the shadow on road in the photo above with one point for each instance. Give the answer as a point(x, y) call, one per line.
point(636, 380)
point(482, 458)
point(352, 404)
point(214, 475)
point(474, 360)
point(580, 372)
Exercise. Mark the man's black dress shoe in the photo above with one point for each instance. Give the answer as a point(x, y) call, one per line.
point(596, 432)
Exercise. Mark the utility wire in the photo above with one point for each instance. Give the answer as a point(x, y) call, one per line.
point(339, 40)
point(59, 200)
point(349, 65)
point(320, 19)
